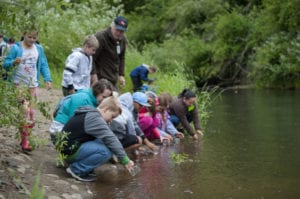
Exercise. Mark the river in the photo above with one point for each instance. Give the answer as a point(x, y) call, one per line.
point(250, 150)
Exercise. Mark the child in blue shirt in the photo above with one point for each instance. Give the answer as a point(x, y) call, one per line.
point(28, 61)
point(140, 74)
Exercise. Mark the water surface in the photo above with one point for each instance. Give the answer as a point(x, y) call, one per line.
point(250, 150)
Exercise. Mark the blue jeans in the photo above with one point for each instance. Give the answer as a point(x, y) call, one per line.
point(90, 155)
point(176, 121)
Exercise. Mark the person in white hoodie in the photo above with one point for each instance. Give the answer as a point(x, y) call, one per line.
point(78, 67)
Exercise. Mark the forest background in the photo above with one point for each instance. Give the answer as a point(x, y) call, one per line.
point(198, 42)
point(194, 43)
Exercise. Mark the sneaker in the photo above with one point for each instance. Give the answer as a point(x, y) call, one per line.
point(83, 178)
point(92, 173)
point(114, 159)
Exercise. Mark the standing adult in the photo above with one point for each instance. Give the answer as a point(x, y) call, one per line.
point(109, 59)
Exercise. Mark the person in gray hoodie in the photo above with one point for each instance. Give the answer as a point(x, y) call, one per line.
point(125, 126)
point(90, 142)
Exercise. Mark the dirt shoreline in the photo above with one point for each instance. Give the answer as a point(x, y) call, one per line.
point(19, 171)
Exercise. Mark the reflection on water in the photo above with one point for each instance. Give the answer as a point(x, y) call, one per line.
point(250, 150)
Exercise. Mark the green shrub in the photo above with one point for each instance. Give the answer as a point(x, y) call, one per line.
point(276, 62)
point(62, 26)
point(173, 82)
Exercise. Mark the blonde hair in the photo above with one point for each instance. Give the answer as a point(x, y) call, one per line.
point(111, 103)
point(91, 41)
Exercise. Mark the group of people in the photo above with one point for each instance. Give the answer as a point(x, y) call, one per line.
point(99, 121)
point(101, 125)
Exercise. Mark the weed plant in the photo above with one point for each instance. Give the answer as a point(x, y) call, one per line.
point(60, 142)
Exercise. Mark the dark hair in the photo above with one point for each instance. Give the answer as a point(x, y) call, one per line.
point(187, 94)
point(11, 40)
point(100, 86)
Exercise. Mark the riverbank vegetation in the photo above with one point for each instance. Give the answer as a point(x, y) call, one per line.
point(215, 42)
point(195, 44)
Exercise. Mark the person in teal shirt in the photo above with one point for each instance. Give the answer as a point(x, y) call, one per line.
point(86, 97)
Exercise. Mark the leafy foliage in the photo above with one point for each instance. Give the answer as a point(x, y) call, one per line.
point(60, 143)
point(276, 63)
point(221, 37)
point(57, 36)
point(214, 40)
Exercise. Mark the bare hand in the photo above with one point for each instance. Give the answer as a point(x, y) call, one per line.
point(180, 135)
point(169, 137)
point(199, 132)
point(48, 85)
point(122, 80)
point(17, 61)
point(195, 137)
point(152, 146)
point(129, 165)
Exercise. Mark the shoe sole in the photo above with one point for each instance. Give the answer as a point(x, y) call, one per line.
point(69, 171)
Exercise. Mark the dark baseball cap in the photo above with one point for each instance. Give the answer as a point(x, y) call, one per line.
point(121, 23)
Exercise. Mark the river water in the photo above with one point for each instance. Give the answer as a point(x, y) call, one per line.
point(250, 150)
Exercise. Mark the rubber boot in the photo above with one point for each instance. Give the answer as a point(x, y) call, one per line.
point(24, 134)
point(25, 142)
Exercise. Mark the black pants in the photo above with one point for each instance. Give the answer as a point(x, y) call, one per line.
point(137, 83)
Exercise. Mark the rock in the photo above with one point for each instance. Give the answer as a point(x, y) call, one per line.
point(52, 175)
point(73, 196)
point(54, 197)
point(61, 183)
point(74, 187)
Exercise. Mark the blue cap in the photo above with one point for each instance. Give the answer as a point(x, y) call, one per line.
point(140, 98)
point(121, 23)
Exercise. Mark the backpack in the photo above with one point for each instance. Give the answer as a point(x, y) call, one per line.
point(60, 104)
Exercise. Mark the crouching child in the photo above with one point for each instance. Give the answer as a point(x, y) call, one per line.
point(90, 142)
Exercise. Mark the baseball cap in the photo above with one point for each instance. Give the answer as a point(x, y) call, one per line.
point(140, 98)
point(121, 23)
